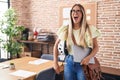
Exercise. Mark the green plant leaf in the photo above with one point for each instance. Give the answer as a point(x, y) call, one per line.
point(8, 26)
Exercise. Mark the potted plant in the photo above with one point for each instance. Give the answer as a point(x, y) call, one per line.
point(12, 66)
point(12, 31)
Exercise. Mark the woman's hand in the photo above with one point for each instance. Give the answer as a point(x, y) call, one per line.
point(85, 61)
point(56, 68)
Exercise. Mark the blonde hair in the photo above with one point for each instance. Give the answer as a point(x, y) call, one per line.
point(84, 27)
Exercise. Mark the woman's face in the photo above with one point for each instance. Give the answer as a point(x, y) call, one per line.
point(76, 15)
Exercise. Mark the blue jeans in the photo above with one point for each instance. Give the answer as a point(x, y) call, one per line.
point(73, 70)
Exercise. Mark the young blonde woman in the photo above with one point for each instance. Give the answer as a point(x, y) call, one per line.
point(84, 35)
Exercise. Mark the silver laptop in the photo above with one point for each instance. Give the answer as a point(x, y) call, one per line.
point(80, 53)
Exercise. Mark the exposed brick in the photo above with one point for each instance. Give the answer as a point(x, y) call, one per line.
point(44, 14)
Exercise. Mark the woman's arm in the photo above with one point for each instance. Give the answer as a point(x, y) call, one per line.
point(55, 53)
point(85, 61)
point(95, 48)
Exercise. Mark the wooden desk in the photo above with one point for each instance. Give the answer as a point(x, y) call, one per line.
point(110, 70)
point(37, 42)
point(22, 64)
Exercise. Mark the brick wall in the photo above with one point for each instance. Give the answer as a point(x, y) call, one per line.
point(109, 26)
point(45, 14)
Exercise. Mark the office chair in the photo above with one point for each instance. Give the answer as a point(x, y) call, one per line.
point(50, 57)
point(48, 74)
point(47, 56)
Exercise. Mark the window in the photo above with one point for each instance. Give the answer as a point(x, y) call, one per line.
point(4, 4)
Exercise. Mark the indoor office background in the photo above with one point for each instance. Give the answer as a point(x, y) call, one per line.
point(47, 15)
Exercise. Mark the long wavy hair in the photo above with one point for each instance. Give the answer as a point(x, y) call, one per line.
point(84, 27)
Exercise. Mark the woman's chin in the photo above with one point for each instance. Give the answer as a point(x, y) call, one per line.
point(76, 22)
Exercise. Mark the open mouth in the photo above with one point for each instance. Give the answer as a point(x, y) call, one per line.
point(75, 18)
